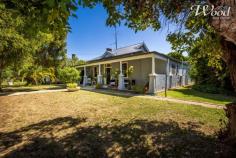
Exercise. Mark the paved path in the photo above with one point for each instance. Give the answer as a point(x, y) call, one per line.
point(208, 105)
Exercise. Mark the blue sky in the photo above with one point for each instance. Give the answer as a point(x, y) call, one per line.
point(90, 36)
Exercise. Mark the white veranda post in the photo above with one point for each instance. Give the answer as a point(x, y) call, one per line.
point(99, 77)
point(152, 78)
point(121, 85)
point(85, 77)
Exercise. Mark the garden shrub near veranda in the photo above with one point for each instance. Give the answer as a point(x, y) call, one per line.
point(69, 75)
point(39, 75)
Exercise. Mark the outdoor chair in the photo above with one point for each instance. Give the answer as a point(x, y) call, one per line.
point(112, 83)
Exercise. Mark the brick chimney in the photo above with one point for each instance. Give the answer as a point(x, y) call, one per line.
point(108, 50)
point(73, 56)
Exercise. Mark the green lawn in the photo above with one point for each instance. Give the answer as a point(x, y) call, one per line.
point(193, 95)
point(89, 124)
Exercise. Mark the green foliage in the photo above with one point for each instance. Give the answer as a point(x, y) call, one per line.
point(39, 75)
point(18, 83)
point(130, 71)
point(98, 86)
point(134, 15)
point(115, 74)
point(138, 89)
point(178, 56)
point(71, 85)
point(7, 74)
point(209, 89)
point(53, 52)
point(204, 74)
point(69, 75)
point(73, 62)
point(13, 45)
point(33, 29)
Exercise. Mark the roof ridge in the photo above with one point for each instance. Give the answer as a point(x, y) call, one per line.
point(128, 46)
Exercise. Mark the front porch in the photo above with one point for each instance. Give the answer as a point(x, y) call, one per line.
point(116, 74)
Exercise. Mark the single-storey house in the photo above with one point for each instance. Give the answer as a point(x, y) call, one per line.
point(135, 65)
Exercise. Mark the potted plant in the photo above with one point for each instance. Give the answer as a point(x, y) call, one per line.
point(70, 76)
point(72, 87)
point(129, 72)
point(115, 76)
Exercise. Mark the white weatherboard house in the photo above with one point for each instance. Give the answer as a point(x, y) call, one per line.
point(151, 69)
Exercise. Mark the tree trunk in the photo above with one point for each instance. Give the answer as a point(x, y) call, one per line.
point(231, 126)
point(1, 81)
point(226, 28)
point(229, 56)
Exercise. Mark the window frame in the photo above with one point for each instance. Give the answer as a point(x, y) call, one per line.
point(125, 76)
point(95, 71)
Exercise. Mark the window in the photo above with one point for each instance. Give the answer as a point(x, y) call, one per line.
point(177, 70)
point(173, 69)
point(108, 65)
point(95, 72)
point(124, 69)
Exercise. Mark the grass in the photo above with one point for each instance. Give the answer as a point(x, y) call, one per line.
point(190, 94)
point(12, 89)
point(89, 124)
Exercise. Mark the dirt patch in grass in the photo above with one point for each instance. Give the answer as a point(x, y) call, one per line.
point(89, 124)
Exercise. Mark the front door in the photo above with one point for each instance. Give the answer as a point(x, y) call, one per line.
point(108, 73)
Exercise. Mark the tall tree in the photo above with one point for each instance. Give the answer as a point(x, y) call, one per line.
point(52, 53)
point(12, 44)
point(25, 23)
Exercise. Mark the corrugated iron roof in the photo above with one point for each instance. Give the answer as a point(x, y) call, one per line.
point(140, 47)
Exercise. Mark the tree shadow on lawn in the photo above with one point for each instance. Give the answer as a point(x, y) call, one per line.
point(137, 138)
point(217, 97)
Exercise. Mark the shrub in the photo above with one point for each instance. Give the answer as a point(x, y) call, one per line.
point(7, 74)
point(38, 75)
point(69, 75)
point(18, 83)
point(138, 89)
point(98, 86)
point(71, 85)
point(208, 89)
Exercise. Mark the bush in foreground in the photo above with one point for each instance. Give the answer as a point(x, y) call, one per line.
point(69, 75)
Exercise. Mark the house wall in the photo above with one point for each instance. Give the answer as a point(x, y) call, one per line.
point(177, 76)
point(115, 66)
point(160, 80)
point(160, 66)
point(142, 68)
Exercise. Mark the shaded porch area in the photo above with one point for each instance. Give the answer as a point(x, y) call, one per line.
point(135, 72)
